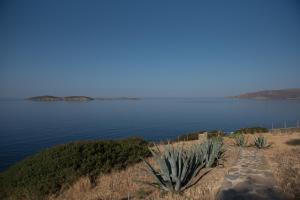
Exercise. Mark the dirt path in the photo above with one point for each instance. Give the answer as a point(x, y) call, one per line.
point(251, 178)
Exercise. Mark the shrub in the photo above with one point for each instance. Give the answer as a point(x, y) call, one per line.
point(189, 136)
point(215, 133)
point(240, 140)
point(251, 130)
point(261, 142)
point(50, 170)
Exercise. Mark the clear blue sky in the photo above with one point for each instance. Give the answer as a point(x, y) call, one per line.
point(148, 48)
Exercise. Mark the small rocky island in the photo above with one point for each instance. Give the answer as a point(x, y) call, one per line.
point(286, 94)
point(54, 98)
point(79, 98)
point(116, 98)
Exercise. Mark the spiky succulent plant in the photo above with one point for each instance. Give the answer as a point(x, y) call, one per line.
point(177, 168)
point(261, 142)
point(240, 140)
point(212, 151)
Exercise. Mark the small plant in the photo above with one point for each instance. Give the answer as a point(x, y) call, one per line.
point(261, 142)
point(212, 151)
point(240, 140)
point(177, 168)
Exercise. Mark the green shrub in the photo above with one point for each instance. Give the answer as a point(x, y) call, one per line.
point(251, 130)
point(261, 142)
point(50, 170)
point(189, 136)
point(215, 133)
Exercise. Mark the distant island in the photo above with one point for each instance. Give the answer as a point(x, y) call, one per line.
point(54, 98)
point(78, 98)
point(285, 94)
point(116, 98)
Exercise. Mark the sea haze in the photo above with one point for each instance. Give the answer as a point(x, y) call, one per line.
point(26, 127)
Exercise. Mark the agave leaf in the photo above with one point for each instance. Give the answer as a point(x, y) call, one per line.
point(156, 175)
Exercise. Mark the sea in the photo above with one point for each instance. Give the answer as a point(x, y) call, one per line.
point(26, 127)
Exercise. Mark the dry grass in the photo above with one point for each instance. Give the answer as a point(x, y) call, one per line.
point(284, 159)
point(128, 184)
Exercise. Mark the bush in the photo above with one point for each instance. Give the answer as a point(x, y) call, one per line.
point(189, 136)
point(251, 130)
point(215, 133)
point(51, 170)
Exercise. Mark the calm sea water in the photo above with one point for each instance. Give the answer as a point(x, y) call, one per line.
point(27, 127)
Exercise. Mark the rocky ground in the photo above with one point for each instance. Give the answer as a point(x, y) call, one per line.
point(250, 178)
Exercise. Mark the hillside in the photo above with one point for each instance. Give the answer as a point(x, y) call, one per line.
point(284, 94)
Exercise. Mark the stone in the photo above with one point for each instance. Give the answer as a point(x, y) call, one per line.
point(249, 179)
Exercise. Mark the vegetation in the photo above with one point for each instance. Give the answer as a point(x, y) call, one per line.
point(53, 169)
point(215, 133)
point(251, 130)
point(240, 140)
point(178, 168)
point(261, 142)
point(189, 136)
point(195, 135)
point(212, 151)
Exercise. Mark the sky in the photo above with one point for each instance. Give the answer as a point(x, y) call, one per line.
point(148, 48)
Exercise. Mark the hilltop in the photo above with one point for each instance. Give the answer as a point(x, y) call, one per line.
point(284, 94)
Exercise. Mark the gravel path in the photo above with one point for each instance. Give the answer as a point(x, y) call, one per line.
point(251, 178)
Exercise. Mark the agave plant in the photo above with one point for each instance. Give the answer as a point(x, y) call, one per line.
point(212, 151)
point(177, 168)
point(240, 140)
point(261, 142)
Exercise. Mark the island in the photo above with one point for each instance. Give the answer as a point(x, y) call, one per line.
point(284, 94)
point(48, 98)
point(116, 98)
point(54, 98)
point(78, 98)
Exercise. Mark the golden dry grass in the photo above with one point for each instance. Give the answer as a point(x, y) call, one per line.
point(284, 159)
point(128, 184)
